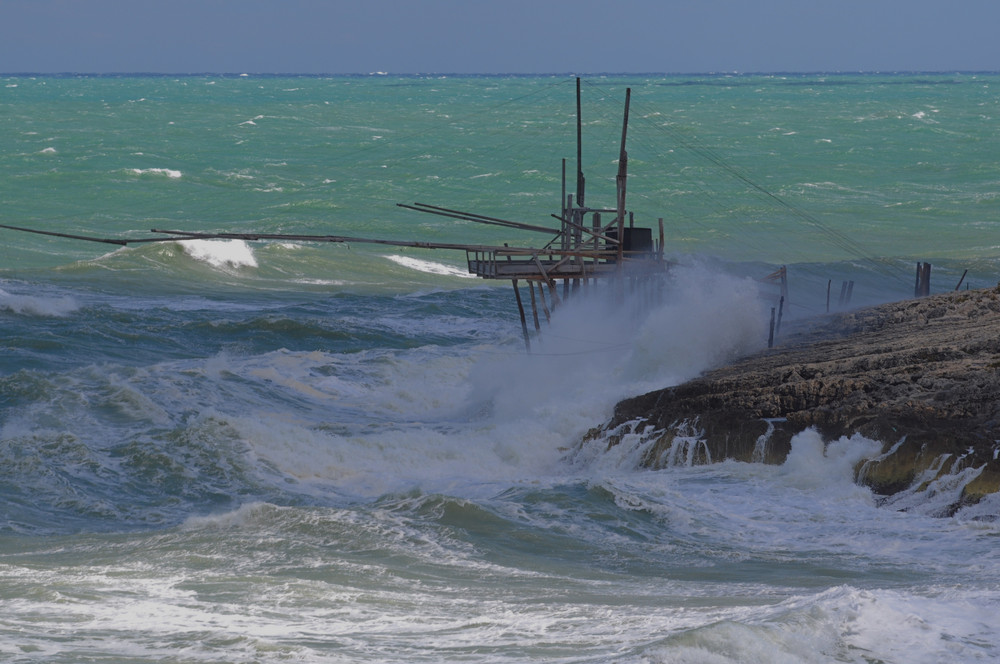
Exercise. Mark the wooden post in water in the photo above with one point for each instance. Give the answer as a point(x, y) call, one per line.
point(961, 280)
point(524, 322)
point(534, 307)
point(923, 286)
point(770, 336)
point(829, 282)
point(781, 309)
point(541, 296)
point(660, 252)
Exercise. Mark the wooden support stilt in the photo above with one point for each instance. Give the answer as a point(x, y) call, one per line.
point(534, 307)
point(923, 285)
point(770, 336)
point(781, 310)
point(541, 298)
point(959, 285)
point(829, 282)
point(524, 322)
point(660, 250)
point(554, 293)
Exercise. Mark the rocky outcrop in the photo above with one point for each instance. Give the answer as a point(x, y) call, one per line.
point(921, 376)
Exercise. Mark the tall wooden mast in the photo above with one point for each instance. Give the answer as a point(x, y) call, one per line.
point(620, 179)
point(580, 182)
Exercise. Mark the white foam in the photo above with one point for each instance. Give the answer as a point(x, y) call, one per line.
point(812, 464)
point(221, 253)
point(846, 624)
point(709, 318)
point(37, 306)
point(166, 172)
point(429, 267)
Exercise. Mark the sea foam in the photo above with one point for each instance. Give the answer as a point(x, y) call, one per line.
point(165, 172)
point(37, 306)
point(221, 253)
point(430, 267)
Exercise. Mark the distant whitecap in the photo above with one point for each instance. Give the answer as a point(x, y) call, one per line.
point(168, 172)
point(430, 267)
point(221, 253)
point(29, 305)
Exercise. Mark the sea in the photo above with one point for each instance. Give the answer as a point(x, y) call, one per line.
point(227, 450)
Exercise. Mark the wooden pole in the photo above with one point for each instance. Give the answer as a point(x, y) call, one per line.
point(961, 280)
point(661, 240)
point(554, 292)
point(770, 336)
point(580, 181)
point(545, 307)
point(829, 282)
point(621, 180)
point(923, 287)
point(781, 309)
point(524, 322)
point(534, 307)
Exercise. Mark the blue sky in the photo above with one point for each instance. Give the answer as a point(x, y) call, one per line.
point(508, 36)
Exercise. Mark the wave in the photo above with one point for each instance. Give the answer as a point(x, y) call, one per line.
point(31, 305)
point(221, 253)
point(845, 624)
point(164, 172)
point(430, 267)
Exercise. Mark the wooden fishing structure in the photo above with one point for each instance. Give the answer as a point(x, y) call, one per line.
point(591, 244)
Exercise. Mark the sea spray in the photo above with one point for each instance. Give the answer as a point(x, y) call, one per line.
point(708, 317)
point(815, 464)
point(221, 254)
point(34, 305)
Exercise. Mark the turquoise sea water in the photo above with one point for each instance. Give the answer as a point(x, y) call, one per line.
point(222, 451)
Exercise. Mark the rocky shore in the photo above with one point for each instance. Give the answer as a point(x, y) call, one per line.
point(920, 376)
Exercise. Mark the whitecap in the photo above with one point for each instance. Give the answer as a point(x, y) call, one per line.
point(430, 267)
point(221, 253)
point(168, 172)
point(37, 306)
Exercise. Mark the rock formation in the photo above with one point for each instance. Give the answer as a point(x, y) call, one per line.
point(920, 376)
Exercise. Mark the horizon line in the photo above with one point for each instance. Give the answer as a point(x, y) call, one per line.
point(377, 74)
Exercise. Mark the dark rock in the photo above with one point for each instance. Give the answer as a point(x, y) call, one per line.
point(920, 376)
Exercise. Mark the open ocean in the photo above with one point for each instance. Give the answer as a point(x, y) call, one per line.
point(227, 451)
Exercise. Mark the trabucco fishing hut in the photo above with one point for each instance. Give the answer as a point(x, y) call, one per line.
point(591, 243)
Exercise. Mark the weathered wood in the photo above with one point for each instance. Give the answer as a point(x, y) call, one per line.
point(520, 309)
point(534, 306)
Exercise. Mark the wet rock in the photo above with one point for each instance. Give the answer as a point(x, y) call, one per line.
point(920, 376)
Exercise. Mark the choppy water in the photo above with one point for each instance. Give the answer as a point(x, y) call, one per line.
point(228, 451)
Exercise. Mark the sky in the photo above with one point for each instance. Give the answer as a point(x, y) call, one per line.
point(497, 36)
